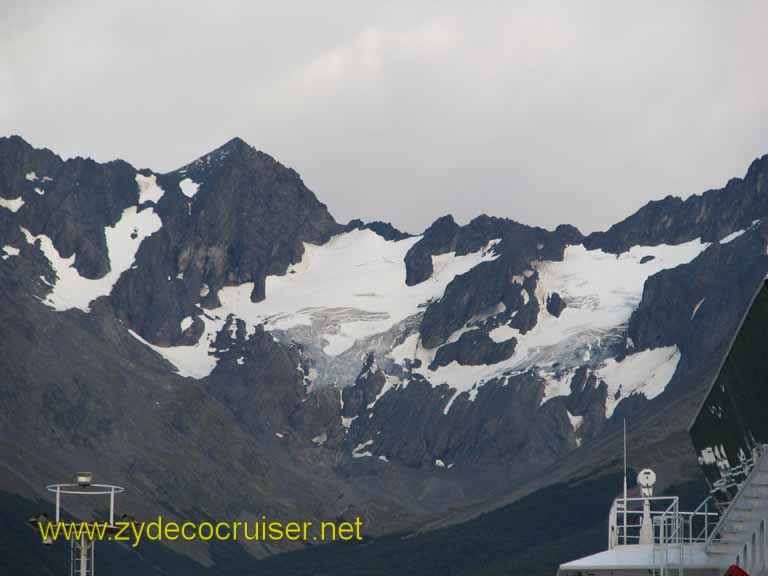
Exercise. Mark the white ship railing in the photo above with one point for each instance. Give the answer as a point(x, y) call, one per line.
point(667, 520)
point(670, 531)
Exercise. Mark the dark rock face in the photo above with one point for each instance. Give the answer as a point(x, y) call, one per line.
point(691, 307)
point(268, 389)
point(555, 304)
point(439, 238)
point(317, 418)
point(521, 243)
point(711, 215)
point(587, 399)
point(383, 229)
point(355, 399)
point(425, 432)
point(508, 280)
point(467, 295)
point(569, 234)
point(504, 279)
point(473, 348)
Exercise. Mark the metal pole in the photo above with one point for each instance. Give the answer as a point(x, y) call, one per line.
point(112, 507)
point(58, 503)
point(625, 481)
point(706, 520)
point(83, 555)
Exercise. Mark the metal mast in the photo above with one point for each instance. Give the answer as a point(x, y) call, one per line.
point(625, 480)
point(82, 549)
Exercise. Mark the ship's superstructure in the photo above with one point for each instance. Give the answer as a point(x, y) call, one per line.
point(652, 535)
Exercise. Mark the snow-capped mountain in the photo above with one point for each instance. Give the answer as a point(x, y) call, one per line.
point(159, 327)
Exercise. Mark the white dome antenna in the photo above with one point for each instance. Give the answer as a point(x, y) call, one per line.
point(646, 479)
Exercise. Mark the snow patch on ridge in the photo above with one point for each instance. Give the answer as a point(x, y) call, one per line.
point(12, 204)
point(123, 240)
point(189, 187)
point(733, 235)
point(149, 191)
point(696, 308)
point(10, 251)
point(575, 421)
point(360, 450)
point(556, 383)
point(195, 361)
point(647, 372)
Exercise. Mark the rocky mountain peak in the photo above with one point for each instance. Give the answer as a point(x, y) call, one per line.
point(234, 149)
point(236, 155)
point(758, 168)
point(236, 143)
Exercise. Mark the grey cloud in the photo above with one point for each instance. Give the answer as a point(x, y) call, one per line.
point(545, 112)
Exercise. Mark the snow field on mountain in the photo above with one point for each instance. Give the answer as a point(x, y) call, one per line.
point(350, 288)
point(601, 291)
point(347, 289)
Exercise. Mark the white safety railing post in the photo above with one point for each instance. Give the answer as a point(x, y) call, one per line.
point(112, 507)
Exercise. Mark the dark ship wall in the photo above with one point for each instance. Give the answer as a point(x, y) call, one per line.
point(733, 420)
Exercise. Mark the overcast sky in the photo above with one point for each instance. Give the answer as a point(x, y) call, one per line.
point(544, 112)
